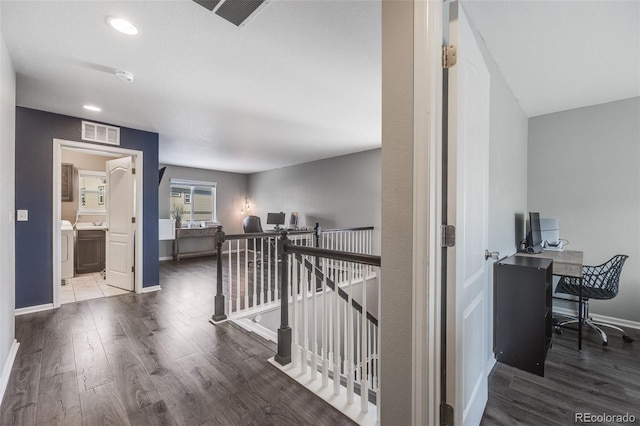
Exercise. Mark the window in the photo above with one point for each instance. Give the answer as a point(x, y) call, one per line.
point(197, 199)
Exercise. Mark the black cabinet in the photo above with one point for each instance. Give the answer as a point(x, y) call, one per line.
point(522, 312)
point(90, 251)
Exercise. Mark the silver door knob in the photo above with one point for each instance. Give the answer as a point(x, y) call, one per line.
point(495, 255)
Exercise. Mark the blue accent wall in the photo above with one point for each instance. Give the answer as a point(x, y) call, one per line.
point(35, 131)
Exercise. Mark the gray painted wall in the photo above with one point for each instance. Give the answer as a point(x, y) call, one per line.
point(7, 206)
point(396, 305)
point(583, 170)
point(337, 192)
point(230, 194)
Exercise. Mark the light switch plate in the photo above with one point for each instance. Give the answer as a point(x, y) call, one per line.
point(22, 216)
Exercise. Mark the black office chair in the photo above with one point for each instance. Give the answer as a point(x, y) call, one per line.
point(598, 282)
point(252, 225)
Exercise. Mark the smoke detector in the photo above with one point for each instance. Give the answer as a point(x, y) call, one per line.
point(124, 76)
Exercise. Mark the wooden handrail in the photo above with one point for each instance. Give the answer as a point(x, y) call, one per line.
point(361, 228)
point(343, 294)
point(367, 259)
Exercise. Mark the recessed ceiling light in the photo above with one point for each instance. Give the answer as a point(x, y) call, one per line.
point(92, 108)
point(122, 25)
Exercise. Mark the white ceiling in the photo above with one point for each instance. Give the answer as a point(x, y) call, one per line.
point(560, 55)
point(302, 80)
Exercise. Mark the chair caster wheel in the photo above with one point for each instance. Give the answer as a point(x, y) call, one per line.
point(558, 331)
point(605, 343)
point(627, 339)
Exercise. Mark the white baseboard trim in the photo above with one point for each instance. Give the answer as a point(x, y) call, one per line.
point(6, 370)
point(600, 318)
point(162, 258)
point(233, 251)
point(260, 330)
point(339, 402)
point(32, 309)
point(491, 363)
point(151, 289)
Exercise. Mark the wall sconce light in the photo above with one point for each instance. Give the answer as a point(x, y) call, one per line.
point(246, 208)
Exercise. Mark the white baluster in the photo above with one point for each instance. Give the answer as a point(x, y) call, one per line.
point(349, 333)
point(314, 324)
point(275, 265)
point(254, 280)
point(364, 407)
point(274, 282)
point(230, 284)
point(336, 343)
point(293, 284)
point(304, 347)
point(238, 252)
point(324, 324)
point(358, 350)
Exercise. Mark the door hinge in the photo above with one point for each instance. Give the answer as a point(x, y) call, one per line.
point(133, 220)
point(446, 414)
point(133, 269)
point(133, 170)
point(448, 235)
point(449, 56)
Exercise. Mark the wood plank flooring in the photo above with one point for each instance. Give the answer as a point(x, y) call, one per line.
point(598, 380)
point(154, 359)
point(151, 359)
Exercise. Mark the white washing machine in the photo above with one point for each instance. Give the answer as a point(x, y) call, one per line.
point(66, 249)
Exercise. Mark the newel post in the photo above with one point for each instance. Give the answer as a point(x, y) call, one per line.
point(218, 313)
point(283, 357)
point(317, 235)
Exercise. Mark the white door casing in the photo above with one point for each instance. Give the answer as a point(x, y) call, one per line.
point(120, 223)
point(468, 145)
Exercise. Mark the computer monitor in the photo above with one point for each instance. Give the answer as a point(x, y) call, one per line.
point(534, 242)
point(276, 219)
point(293, 220)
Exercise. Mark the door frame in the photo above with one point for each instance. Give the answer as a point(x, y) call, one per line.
point(427, 212)
point(58, 145)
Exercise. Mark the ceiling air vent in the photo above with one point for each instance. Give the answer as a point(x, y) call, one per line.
point(234, 11)
point(95, 132)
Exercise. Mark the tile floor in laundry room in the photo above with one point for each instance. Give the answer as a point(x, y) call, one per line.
point(87, 286)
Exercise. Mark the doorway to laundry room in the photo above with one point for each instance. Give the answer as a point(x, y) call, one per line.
point(96, 209)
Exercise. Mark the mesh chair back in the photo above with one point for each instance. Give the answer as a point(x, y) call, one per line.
point(598, 282)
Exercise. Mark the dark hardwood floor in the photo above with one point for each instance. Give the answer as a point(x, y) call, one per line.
point(597, 380)
point(154, 359)
point(151, 359)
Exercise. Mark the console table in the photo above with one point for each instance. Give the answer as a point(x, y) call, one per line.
point(182, 233)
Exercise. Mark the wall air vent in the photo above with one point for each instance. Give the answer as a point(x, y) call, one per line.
point(95, 132)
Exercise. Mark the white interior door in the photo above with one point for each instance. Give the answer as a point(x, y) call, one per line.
point(467, 201)
point(120, 222)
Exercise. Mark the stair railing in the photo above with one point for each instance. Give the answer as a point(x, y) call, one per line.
point(331, 332)
point(247, 271)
